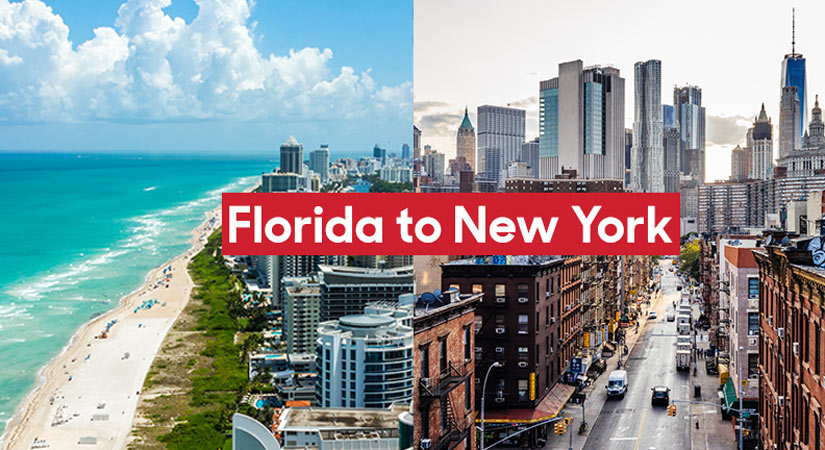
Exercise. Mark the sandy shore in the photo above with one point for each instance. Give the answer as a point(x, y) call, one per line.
point(89, 392)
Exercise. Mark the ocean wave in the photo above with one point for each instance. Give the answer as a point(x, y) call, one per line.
point(150, 188)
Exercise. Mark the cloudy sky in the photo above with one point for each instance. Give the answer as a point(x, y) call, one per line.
point(204, 75)
point(475, 52)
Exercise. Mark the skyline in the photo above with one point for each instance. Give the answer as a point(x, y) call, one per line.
point(735, 80)
point(197, 76)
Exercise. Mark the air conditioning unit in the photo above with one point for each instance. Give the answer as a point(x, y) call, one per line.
point(553, 319)
point(425, 382)
point(522, 364)
point(425, 444)
point(501, 299)
point(770, 320)
point(567, 307)
point(551, 350)
point(523, 300)
point(781, 401)
point(796, 348)
point(780, 332)
point(499, 349)
point(500, 330)
point(547, 294)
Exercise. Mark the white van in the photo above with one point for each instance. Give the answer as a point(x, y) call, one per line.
point(617, 383)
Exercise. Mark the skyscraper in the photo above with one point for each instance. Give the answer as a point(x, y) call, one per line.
point(581, 122)
point(292, 156)
point(670, 147)
point(628, 145)
point(465, 141)
point(405, 151)
point(690, 115)
point(319, 162)
point(379, 154)
point(530, 155)
point(500, 134)
point(740, 163)
point(789, 120)
point(647, 161)
point(793, 74)
point(762, 147)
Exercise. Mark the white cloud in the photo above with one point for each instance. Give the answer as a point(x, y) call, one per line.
point(153, 67)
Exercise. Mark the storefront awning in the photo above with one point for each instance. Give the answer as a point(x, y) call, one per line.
point(729, 393)
point(548, 408)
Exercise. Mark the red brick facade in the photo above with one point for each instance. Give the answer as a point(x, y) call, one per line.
point(792, 352)
point(444, 394)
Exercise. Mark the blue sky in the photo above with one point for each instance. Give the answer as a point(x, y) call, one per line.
point(154, 76)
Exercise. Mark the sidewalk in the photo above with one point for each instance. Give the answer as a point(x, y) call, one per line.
point(596, 397)
point(712, 431)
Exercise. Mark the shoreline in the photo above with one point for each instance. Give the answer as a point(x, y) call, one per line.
point(55, 413)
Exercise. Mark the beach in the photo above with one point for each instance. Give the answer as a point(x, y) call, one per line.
point(88, 394)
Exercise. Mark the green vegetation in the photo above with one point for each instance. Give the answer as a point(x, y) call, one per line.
point(203, 363)
point(689, 259)
point(377, 184)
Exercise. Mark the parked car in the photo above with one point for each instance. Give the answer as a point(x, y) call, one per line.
point(651, 315)
point(678, 288)
point(661, 395)
point(671, 317)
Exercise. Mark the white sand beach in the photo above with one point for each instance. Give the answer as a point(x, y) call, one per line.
point(89, 393)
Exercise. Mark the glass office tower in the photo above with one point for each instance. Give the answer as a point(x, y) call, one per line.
point(793, 74)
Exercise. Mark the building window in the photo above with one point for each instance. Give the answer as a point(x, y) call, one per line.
point(442, 356)
point(455, 286)
point(753, 365)
point(501, 291)
point(477, 321)
point(477, 289)
point(522, 390)
point(523, 323)
point(523, 290)
point(753, 287)
point(425, 362)
point(753, 324)
point(467, 348)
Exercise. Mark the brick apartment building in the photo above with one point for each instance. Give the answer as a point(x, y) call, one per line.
point(791, 349)
point(529, 321)
point(444, 371)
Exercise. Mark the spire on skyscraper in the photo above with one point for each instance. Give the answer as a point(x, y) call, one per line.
point(466, 122)
point(793, 31)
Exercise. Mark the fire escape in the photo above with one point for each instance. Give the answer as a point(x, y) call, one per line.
point(454, 429)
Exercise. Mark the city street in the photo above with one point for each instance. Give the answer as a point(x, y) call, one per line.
point(631, 422)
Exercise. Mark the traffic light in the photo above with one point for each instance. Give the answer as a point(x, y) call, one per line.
point(568, 421)
point(671, 410)
point(557, 428)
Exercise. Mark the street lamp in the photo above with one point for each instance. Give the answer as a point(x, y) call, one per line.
point(483, 393)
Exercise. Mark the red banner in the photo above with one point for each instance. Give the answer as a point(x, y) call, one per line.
point(450, 224)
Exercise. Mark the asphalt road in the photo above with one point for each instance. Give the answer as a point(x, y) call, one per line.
point(632, 423)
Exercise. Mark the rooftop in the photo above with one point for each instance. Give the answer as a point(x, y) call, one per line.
point(509, 260)
point(336, 418)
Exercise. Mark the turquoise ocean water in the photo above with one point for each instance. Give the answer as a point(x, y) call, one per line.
point(80, 231)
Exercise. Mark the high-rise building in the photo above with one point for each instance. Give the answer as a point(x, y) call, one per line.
point(793, 74)
point(670, 147)
point(628, 145)
point(347, 290)
point(465, 141)
point(809, 159)
point(319, 162)
point(433, 164)
point(365, 361)
point(581, 122)
point(530, 156)
point(405, 152)
point(647, 171)
point(500, 129)
point(740, 163)
point(301, 309)
point(761, 147)
point(380, 154)
point(292, 156)
point(690, 115)
point(789, 120)
point(272, 269)
point(416, 142)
